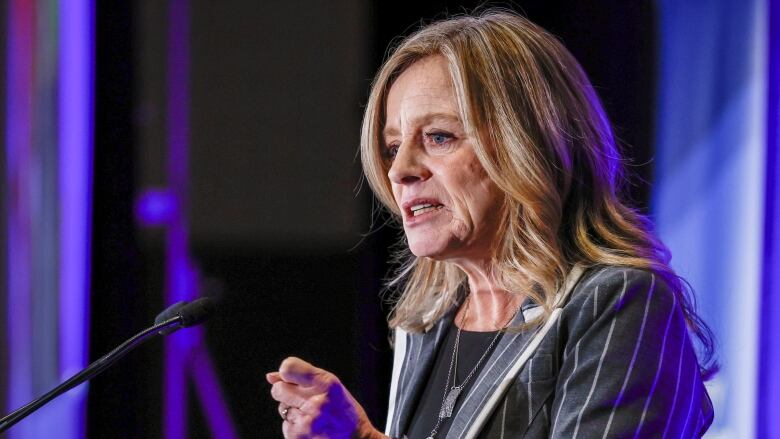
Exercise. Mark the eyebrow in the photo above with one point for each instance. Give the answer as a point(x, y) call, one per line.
point(390, 131)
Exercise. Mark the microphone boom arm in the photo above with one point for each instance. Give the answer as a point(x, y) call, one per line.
point(91, 371)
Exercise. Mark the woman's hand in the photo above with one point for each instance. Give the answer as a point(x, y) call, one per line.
point(314, 404)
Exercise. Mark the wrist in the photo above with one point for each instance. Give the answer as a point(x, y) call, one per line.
point(367, 431)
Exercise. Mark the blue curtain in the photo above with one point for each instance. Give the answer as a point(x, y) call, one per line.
point(710, 182)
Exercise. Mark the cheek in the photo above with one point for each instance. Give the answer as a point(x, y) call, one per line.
point(479, 193)
point(491, 202)
point(396, 196)
point(472, 211)
point(460, 229)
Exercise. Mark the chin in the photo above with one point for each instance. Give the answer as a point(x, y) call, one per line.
point(433, 250)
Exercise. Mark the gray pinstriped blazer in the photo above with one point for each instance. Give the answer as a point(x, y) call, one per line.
point(618, 364)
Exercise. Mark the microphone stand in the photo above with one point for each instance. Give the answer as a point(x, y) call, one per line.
point(91, 371)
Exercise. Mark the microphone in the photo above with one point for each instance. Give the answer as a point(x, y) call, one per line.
point(187, 314)
point(169, 313)
point(177, 316)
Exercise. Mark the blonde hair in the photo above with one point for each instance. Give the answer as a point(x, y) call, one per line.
point(540, 132)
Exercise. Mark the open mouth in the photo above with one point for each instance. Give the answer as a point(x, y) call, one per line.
point(421, 209)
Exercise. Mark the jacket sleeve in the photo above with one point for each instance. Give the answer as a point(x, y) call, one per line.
point(629, 369)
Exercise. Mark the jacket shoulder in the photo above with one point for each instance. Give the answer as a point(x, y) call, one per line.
point(606, 290)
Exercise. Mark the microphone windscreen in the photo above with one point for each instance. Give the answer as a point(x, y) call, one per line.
point(169, 313)
point(197, 311)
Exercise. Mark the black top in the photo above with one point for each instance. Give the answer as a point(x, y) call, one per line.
point(472, 346)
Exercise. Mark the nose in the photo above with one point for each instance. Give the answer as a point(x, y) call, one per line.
point(408, 166)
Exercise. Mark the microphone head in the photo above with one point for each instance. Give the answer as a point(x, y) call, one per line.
point(197, 311)
point(169, 313)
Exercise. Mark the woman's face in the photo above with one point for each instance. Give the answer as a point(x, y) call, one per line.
point(450, 207)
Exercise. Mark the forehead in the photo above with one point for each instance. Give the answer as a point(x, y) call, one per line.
point(422, 89)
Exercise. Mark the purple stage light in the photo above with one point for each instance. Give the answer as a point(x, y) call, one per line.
point(75, 111)
point(210, 396)
point(155, 207)
point(185, 354)
point(767, 422)
point(175, 414)
point(32, 81)
point(19, 113)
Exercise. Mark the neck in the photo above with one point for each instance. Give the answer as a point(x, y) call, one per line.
point(491, 306)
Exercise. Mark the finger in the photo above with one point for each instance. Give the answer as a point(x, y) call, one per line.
point(291, 394)
point(293, 415)
point(281, 409)
point(286, 430)
point(299, 426)
point(295, 370)
point(273, 377)
point(296, 416)
point(314, 405)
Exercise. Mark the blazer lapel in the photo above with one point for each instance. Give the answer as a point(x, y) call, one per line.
point(506, 353)
point(504, 357)
point(421, 352)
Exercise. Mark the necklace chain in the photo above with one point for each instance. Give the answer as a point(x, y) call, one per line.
point(451, 394)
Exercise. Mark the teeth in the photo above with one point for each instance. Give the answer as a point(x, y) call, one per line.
point(424, 208)
point(421, 206)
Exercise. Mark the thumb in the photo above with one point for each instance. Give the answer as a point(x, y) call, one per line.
point(297, 371)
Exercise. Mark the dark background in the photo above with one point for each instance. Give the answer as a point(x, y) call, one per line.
point(277, 91)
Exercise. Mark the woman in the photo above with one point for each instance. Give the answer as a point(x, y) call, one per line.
point(534, 303)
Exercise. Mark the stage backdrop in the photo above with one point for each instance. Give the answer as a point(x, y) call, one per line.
point(275, 150)
point(710, 187)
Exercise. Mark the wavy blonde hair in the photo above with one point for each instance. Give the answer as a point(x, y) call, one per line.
point(541, 134)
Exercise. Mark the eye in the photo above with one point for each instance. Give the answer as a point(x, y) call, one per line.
point(439, 138)
point(391, 151)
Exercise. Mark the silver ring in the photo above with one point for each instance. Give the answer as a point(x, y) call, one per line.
point(284, 413)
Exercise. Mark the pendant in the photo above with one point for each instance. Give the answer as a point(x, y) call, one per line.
point(449, 402)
